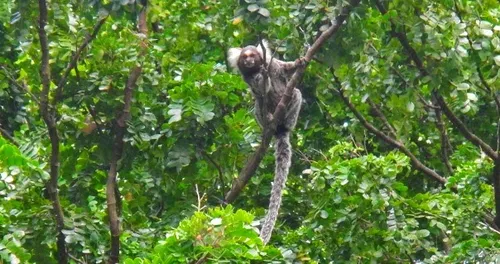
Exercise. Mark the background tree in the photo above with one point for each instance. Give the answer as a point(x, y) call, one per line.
point(395, 154)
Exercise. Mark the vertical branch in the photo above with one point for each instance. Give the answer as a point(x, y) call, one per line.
point(445, 142)
point(50, 121)
point(496, 188)
point(120, 127)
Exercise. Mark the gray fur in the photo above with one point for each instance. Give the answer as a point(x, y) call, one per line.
point(267, 93)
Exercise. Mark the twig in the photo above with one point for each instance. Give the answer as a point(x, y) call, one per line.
point(464, 129)
point(75, 259)
point(18, 85)
point(95, 118)
point(202, 259)
point(7, 136)
point(200, 199)
point(219, 170)
point(478, 68)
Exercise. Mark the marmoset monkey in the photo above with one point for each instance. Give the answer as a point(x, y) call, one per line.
point(267, 82)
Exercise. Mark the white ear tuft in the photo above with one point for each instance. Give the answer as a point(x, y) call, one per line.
point(269, 54)
point(233, 54)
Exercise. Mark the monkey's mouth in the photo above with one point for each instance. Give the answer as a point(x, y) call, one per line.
point(249, 64)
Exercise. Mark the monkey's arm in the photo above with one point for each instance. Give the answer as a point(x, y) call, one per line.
point(290, 66)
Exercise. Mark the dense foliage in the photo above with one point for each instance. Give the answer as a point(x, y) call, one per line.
point(395, 155)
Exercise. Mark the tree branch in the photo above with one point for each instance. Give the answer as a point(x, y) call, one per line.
point(445, 142)
point(18, 85)
point(382, 117)
point(49, 119)
point(496, 187)
point(218, 168)
point(74, 59)
point(112, 191)
point(279, 113)
point(7, 136)
point(464, 129)
point(250, 168)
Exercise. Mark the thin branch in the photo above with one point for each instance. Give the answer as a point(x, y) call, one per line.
point(464, 129)
point(250, 168)
point(393, 142)
point(74, 59)
point(279, 112)
point(445, 141)
point(18, 85)
point(379, 114)
point(7, 136)
point(481, 77)
point(218, 168)
point(96, 119)
point(75, 259)
point(51, 185)
point(426, 104)
point(112, 195)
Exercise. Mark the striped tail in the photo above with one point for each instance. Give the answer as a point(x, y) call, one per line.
point(283, 157)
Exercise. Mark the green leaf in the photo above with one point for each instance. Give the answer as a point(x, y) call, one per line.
point(253, 7)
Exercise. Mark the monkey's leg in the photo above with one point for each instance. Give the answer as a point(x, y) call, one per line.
point(292, 113)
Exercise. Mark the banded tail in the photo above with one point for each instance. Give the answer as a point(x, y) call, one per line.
point(283, 157)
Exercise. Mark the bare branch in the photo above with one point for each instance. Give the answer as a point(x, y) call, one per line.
point(250, 168)
point(496, 186)
point(49, 119)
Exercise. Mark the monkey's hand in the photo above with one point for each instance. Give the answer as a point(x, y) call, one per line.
point(301, 62)
point(263, 70)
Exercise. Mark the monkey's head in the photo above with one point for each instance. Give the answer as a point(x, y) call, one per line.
point(249, 59)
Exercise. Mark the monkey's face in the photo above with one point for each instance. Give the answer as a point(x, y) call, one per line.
point(249, 60)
